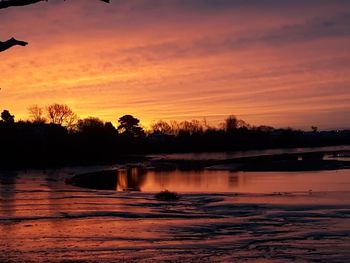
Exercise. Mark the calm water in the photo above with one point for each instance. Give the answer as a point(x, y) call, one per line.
point(211, 181)
point(44, 220)
point(274, 219)
point(207, 181)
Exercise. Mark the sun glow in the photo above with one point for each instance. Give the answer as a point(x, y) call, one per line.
point(122, 60)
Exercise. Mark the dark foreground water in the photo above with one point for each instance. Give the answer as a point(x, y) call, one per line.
point(220, 217)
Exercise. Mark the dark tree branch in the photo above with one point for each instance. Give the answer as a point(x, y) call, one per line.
point(10, 43)
point(8, 3)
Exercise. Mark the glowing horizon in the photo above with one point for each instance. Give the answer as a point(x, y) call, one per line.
point(267, 62)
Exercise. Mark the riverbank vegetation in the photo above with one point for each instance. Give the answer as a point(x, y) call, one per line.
point(55, 135)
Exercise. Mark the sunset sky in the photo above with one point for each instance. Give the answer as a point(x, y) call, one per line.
point(280, 63)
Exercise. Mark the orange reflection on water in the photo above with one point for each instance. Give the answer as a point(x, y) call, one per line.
point(42, 219)
point(130, 179)
point(224, 181)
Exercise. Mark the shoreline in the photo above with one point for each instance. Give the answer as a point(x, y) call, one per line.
point(292, 162)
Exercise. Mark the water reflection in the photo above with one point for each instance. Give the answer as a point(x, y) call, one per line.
point(207, 181)
point(7, 207)
point(44, 220)
point(8, 192)
point(130, 179)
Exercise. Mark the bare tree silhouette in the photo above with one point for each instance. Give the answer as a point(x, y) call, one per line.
point(61, 114)
point(9, 3)
point(36, 114)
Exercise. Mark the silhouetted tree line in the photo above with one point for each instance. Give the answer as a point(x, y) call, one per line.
point(55, 135)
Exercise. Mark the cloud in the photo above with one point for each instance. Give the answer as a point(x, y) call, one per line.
point(317, 28)
point(214, 43)
point(219, 5)
point(267, 60)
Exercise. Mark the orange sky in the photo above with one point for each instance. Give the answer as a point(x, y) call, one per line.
point(280, 63)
